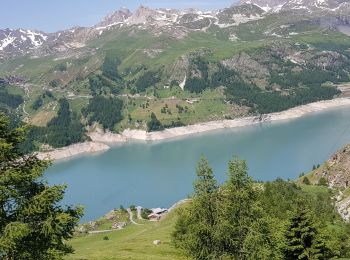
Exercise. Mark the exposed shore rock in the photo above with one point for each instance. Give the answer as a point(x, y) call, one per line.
point(239, 122)
point(73, 150)
point(107, 137)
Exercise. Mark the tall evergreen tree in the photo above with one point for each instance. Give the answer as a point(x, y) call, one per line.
point(264, 240)
point(226, 222)
point(154, 124)
point(239, 209)
point(32, 223)
point(195, 228)
point(305, 239)
point(206, 184)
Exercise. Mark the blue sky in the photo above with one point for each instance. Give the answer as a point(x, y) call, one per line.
point(53, 15)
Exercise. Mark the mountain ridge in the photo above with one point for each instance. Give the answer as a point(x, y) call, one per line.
point(13, 42)
point(179, 23)
point(307, 5)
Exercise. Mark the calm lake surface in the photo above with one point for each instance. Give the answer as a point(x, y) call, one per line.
point(158, 174)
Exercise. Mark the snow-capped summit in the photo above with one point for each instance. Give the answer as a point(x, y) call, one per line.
point(175, 23)
point(21, 40)
point(304, 5)
point(266, 5)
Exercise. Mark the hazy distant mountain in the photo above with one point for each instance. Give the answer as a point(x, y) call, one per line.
point(305, 5)
point(178, 23)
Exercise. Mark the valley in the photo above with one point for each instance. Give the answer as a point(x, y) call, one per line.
point(246, 60)
point(238, 117)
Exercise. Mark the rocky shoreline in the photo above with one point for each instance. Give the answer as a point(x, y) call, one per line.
point(73, 150)
point(102, 141)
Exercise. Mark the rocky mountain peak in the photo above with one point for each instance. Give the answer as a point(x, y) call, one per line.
point(175, 23)
point(153, 17)
point(118, 16)
point(144, 12)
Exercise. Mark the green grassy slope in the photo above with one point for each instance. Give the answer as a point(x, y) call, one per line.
point(259, 55)
point(133, 242)
point(136, 241)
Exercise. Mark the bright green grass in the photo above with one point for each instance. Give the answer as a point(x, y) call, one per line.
point(314, 189)
point(325, 40)
point(133, 242)
point(34, 69)
point(210, 106)
point(136, 241)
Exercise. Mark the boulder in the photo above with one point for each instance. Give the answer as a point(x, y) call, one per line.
point(157, 242)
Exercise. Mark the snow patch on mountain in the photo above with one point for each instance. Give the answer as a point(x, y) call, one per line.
point(306, 5)
point(19, 40)
point(175, 23)
point(7, 41)
point(37, 38)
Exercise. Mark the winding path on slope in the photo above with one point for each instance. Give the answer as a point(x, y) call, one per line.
point(139, 211)
point(131, 217)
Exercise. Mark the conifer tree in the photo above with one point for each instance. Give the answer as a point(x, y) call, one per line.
point(239, 209)
point(32, 223)
point(305, 238)
point(195, 228)
point(154, 124)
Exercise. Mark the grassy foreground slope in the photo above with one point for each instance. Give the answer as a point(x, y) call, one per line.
point(133, 242)
point(136, 241)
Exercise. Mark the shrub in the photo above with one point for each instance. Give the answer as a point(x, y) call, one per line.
point(154, 124)
point(322, 181)
point(306, 181)
point(145, 213)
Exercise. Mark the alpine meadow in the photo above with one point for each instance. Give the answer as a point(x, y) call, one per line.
point(162, 133)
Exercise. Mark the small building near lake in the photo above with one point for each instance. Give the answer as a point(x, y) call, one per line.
point(157, 213)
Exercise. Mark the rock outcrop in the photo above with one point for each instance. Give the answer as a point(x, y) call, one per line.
point(337, 173)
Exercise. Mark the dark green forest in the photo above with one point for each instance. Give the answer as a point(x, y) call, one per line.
point(298, 88)
point(8, 101)
point(267, 102)
point(101, 85)
point(109, 67)
point(63, 130)
point(106, 111)
point(148, 79)
point(154, 124)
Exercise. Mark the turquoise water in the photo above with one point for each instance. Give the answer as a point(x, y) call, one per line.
point(157, 174)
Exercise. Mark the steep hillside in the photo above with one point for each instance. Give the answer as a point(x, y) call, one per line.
point(183, 66)
point(335, 174)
